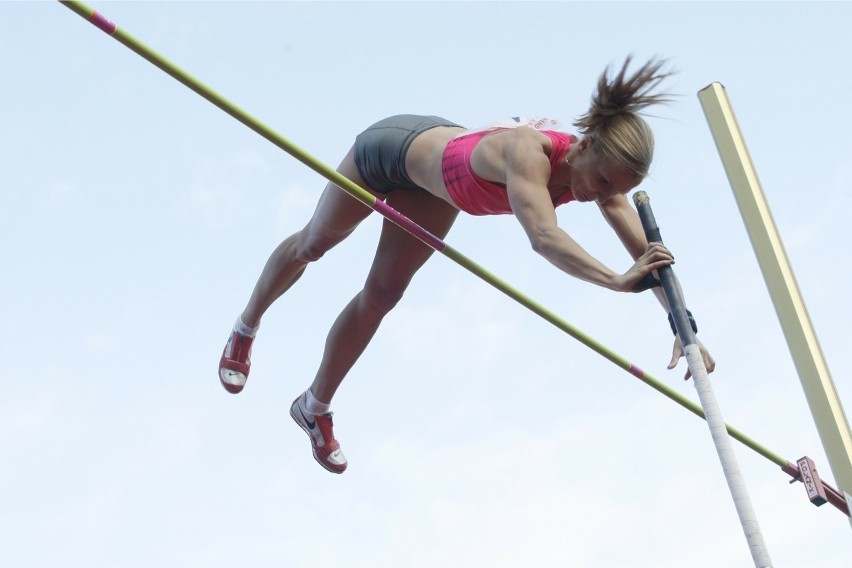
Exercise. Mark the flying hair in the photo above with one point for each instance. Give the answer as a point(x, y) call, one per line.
point(613, 120)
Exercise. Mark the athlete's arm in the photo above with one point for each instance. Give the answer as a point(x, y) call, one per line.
point(527, 172)
point(628, 227)
point(626, 223)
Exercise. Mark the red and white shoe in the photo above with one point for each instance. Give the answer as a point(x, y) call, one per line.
point(235, 362)
point(320, 430)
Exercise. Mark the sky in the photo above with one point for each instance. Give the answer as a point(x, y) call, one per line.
point(137, 217)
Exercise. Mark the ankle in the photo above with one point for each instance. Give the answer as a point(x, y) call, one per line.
point(246, 330)
point(315, 406)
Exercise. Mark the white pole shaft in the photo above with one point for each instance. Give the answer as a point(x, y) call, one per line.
point(725, 450)
point(712, 413)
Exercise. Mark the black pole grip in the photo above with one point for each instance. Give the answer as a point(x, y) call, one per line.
point(667, 276)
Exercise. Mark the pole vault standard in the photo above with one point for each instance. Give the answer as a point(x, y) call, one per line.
point(814, 374)
point(831, 494)
point(713, 414)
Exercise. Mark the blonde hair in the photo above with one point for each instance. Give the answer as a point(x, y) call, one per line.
point(613, 122)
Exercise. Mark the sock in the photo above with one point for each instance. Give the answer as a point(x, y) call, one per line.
point(314, 406)
point(243, 329)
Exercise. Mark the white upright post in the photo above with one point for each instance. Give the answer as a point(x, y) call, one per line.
point(821, 394)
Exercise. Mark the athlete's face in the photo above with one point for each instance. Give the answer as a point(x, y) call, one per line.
point(597, 178)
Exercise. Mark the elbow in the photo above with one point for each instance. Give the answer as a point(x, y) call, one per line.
point(541, 242)
point(543, 234)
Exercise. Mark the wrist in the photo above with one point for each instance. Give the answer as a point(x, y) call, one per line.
point(616, 282)
point(692, 323)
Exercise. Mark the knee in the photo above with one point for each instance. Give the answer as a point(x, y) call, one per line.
point(311, 247)
point(382, 298)
point(310, 252)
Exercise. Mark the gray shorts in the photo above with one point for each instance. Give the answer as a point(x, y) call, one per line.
point(380, 150)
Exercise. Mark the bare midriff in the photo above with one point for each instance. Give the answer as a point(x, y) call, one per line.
point(423, 161)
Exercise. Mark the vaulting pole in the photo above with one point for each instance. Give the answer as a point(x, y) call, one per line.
point(419, 232)
point(701, 380)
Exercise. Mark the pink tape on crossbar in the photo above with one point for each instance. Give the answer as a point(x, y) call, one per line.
point(104, 24)
point(636, 371)
point(409, 225)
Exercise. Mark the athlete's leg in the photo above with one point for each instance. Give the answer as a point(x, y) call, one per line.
point(398, 257)
point(336, 216)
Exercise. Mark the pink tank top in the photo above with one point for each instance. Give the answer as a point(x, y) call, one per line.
point(478, 196)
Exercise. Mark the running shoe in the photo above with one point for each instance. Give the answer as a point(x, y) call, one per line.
point(319, 428)
point(235, 362)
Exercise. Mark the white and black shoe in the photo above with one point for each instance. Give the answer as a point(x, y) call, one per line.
point(320, 430)
point(235, 362)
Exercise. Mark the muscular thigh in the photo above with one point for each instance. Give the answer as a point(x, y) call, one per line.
point(399, 254)
point(337, 213)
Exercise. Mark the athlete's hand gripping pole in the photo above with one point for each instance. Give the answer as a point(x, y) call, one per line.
point(724, 448)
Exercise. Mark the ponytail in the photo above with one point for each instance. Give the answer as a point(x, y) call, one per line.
point(613, 121)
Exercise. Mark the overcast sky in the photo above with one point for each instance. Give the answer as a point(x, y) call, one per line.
point(137, 217)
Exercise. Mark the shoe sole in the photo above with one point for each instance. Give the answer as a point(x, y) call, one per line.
point(311, 439)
